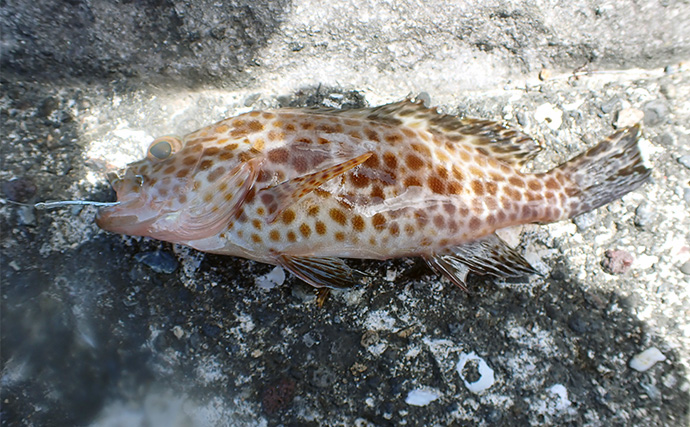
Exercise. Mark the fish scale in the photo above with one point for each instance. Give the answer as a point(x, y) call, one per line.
point(304, 188)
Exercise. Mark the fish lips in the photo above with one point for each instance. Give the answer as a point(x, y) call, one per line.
point(126, 218)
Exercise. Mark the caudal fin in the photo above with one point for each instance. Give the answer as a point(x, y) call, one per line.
point(605, 172)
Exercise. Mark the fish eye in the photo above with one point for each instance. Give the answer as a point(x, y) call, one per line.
point(164, 147)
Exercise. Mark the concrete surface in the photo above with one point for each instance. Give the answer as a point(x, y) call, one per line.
point(96, 329)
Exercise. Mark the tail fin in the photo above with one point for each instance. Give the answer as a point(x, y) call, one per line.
point(605, 172)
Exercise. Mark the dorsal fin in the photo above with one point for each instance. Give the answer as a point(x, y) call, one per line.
point(496, 139)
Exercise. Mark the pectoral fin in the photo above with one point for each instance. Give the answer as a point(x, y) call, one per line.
point(281, 196)
point(322, 272)
point(487, 256)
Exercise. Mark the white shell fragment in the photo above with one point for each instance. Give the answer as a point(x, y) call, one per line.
point(645, 360)
point(486, 374)
point(548, 113)
point(275, 277)
point(628, 117)
point(562, 402)
point(421, 397)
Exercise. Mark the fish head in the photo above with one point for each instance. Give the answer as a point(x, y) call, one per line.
point(184, 190)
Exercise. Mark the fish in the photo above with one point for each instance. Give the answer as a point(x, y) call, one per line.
point(308, 188)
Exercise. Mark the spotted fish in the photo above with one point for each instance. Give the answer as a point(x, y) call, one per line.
point(304, 188)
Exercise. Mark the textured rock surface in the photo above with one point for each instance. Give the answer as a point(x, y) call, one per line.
point(92, 335)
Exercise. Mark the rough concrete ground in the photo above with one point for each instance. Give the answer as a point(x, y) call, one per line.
point(93, 334)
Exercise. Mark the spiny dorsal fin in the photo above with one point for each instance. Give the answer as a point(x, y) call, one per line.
point(488, 255)
point(497, 139)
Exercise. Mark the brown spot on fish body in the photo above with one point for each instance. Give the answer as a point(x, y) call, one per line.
point(338, 216)
point(205, 164)
point(239, 132)
point(436, 185)
point(288, 216)
point(477, 187)
point(390, 160)
point(552, 184)
point(279, 155)
point(211, 151)
point(313, 210)
point(378, 221)
point(534, 185)
point(305, 230)
point(320, 228)
point(393, 138)
point(414, 162)
point(454, 188)
point(377, 193)
point(439, 221)
point(216, 173)
point(372, 134)
point(412, 181)
point(358, 223)
point(491, 187)
point(516, 181)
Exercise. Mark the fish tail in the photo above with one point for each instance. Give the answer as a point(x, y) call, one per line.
point(604, 173)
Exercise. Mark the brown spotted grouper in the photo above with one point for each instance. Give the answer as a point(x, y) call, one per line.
point(305, 187)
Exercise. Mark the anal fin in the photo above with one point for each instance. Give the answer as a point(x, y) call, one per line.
point(487, 256)
point(281, 196)
point(322, 272)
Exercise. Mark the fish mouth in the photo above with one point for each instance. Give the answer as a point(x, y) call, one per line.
point(126, 218)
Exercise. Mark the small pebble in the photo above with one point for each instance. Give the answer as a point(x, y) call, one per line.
point(544, 74)
point(19, 189)
point(610, 105)
point(158, 261)
point(617, 261)
point(655, 112)
point(686, 195)
point(668, 90)
point(251, 99)
point(47, 107)
point(550, 114)
point(421, 397)
point(278, 396)
point(275, 277)
point(685, 268)
point(644, 215)
point(27, 215)
point(178, 331)
point(585, 220)
point(628, 117)
point(685, 161)
point(425, 98)
point(646, 359)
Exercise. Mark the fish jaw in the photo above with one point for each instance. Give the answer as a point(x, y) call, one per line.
point(126, 218)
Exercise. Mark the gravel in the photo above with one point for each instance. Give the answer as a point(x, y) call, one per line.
point(91, 335)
